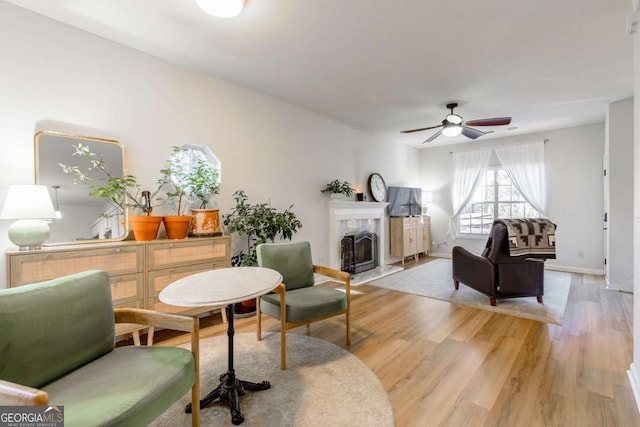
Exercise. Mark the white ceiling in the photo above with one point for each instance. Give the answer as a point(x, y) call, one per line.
point(390, 65)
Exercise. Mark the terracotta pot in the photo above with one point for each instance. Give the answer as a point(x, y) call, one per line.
point(176, 226)
point(145, 227)
point(205, 222)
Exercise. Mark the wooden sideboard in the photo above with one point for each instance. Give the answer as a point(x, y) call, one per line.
point(410, 236)
point(138, 270)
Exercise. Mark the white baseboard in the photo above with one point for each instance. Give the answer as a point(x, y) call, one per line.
point(569, 269)
point(440, 254)
point(634, 378)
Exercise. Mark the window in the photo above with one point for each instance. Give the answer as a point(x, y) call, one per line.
point(495, 197)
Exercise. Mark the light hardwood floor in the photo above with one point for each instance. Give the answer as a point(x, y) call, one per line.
point(448, 365)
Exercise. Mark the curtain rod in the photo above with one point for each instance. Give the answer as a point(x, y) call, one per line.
point(544, 141)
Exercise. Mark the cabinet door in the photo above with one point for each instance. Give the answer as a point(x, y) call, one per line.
point(420, 239)
point(410, 235)
point(426, 238)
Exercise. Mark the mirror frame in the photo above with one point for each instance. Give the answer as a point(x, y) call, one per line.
point(36, 148)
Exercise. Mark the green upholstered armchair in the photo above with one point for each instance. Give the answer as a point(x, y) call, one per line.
point(297, 301)
point(57, 347)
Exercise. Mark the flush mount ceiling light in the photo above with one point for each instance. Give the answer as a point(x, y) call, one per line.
point(221, 8)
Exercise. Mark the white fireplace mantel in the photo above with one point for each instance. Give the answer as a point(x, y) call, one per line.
point(344, 211)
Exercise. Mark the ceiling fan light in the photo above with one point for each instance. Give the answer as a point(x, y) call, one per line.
point(453, 119)
point(452, 130)
point(221, 8)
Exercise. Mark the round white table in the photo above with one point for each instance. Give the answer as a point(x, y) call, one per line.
point(225, 286)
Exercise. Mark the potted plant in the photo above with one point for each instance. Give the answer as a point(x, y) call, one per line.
point(175, 178)
point(338, 189)
point(260, 223)
point(202, 182)
point(123, 192)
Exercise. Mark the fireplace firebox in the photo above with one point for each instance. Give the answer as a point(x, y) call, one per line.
point(359, 252)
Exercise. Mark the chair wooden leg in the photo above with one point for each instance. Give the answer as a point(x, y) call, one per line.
point(223, 312)
point(283, 332)
point(195, 389)
point(136, 337)
point(348, 327)
point(150, 333)
point(259, 319)
point(540, 299)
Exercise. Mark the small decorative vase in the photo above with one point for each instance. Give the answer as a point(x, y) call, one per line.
point(145, 227)
point(176, 226)
point(336, 196)
point(205, 222)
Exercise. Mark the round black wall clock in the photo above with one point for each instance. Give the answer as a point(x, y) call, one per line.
point(377, 187)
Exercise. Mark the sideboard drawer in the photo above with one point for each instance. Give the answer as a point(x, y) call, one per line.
point(30, 268)
point(191, 251)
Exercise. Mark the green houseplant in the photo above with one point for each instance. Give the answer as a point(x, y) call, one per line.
point(123, 192)
point(259, 223)
point(201, 183)
point(176, 182)
point(339, 188)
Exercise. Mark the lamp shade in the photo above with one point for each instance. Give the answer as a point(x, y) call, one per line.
point(28, 202)
point(30, 205)
point(221, 8)
point(427, 197)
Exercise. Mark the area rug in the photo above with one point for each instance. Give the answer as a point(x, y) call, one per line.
point(323, 385)
point(433, 279)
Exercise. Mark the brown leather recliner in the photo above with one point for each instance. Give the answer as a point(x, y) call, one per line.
point(497, 274)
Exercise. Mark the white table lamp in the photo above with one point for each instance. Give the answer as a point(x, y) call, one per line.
point(427, 197)
point(30, 205)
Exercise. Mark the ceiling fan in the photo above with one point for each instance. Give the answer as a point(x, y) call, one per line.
point(452, 125)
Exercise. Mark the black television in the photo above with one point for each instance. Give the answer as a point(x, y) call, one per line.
point(404, 201)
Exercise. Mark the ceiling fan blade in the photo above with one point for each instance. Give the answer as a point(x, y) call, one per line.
point(421, 129)
point(432, 137)
point(471, 133)
point(496, 121)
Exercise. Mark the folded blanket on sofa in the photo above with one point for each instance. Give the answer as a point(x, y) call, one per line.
point(533, 237)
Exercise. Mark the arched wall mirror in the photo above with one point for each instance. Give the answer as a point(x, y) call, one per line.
point(82, 218)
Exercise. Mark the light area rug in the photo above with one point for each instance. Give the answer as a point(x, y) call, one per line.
point(323, 385)
point(434, 280)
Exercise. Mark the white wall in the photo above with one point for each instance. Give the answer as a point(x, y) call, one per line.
point(55, 77)
point(573, 161)
point(634, 372)
point(619, 148)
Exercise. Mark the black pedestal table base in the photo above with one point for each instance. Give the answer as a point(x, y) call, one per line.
point(230, 387)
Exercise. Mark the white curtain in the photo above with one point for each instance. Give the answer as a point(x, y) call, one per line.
point(468, 167)
point(524, 163)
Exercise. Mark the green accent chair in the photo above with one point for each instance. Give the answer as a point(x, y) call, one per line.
point(298, 301)
point(57, 347)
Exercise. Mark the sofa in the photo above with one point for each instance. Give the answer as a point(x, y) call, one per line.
point(57, 347)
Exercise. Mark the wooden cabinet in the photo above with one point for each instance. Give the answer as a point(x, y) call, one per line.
point(410, 236)
point(138, 270)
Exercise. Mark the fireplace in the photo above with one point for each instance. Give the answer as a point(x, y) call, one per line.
point(359, 252)
point(350, 218)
